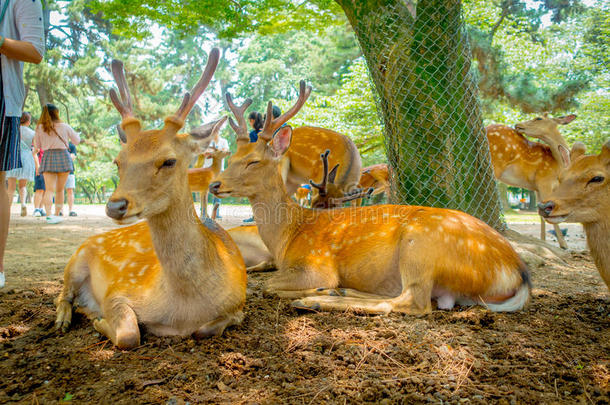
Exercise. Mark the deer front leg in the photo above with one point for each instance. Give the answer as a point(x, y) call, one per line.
point(560, 239)
point(262, 266)
point(119, 324)
point(294, 282)
point(218, 325)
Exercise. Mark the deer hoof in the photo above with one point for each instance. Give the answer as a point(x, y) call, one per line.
point(302, 306)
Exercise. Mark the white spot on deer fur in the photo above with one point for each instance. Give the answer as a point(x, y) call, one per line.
point(482, 247)
point(99, 240)
point(436, 216)
point(132, 280)
point(327, 253)
point(460, 242)
point(494, 147)
point(382, 233)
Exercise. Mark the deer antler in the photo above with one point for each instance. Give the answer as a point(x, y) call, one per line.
point(122, 104)
point(352, 195)
point(322, 186)
point(240, 128)
point(189, 100)
point(271, 125)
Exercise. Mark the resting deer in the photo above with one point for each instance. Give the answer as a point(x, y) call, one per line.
point(375, 176)
point(256, 255)
point(583, 195)
point(375, 259)
point(171, 273)
point(199, 178)
point(328, 195)
point(301, 162)
point(521, 163)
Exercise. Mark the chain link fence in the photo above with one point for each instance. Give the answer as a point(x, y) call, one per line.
point(420, 63)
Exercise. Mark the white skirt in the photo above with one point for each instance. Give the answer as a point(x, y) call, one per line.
point(28, 167)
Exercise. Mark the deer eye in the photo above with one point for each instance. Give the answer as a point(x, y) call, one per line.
point(596, 179)
point(169, 163)
point(251, 163)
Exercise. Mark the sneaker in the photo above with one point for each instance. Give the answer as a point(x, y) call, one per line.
point(2, 280)
point(42, 213)
point(24, 210)
point(61, 214)
point(54, 219)
point(37, 212)
point(248, 220)
point(73, 214)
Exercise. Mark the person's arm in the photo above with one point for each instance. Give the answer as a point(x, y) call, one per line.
point(30, 46)
point(74, 138)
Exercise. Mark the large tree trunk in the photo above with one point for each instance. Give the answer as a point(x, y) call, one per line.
point(419, 60)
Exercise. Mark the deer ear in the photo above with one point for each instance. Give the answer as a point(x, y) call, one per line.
point(281, 141)
point(578, 150)
point(565, 155)
point(208, 129)
point(566, 119)
point(122, 134)
point(333, 174)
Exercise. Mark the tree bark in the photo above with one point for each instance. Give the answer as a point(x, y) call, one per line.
point(419, 61)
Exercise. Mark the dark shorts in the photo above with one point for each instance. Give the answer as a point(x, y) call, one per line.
point(39, 182)
point(56, 161)
point(10, 150)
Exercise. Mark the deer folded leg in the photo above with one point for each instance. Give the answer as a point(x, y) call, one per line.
point(262, 266)
point(218, 325)
point(120, 324)
point(75, 274)
point(328, 303)
point(292, 281)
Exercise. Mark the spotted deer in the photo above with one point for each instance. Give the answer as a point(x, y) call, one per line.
point(199, 178)
point(374, 259)
point(376, 177)
point(522, 163)
point(301, 162)
point(328, 195)
point(256, 255)
point(170, 273)
point(302, 195)
point(583, 195)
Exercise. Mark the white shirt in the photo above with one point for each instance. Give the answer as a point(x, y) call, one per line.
point(222, 144)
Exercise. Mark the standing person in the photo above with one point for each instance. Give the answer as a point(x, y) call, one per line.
point(38, 187)
point(21, 40)
point(221, 144)
point(256, 122)
point(52, 136)
point(28, 166)
point(71, 183)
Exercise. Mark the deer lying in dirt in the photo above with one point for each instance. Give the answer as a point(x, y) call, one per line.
point(256, 255)
point(521, 163)
point(171, 273)
point(301, 162)
point(583, 195)
point(375, 259)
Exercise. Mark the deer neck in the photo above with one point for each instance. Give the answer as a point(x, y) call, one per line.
point(598, 239)
point(179, 242)
point(555, 140)
point(216, 162)
point(276, 215)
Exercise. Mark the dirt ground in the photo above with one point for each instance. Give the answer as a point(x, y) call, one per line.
point(555, 351)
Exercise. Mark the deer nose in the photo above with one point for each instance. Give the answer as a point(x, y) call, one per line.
point(545, 209)
point(116, 209)
point(214, 187)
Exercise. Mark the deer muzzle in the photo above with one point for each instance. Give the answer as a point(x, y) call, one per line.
point(546, 208)
point(116, 209)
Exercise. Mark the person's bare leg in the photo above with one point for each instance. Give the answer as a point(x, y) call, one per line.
point(22, 194)
point(50, 181)
point(59, 191)
point(11, 185)
point(38, 198)
point(4, 219)
point(70, 193)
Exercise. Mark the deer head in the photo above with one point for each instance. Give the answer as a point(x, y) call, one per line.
point(253, 164)
point(583, 192)
point(329, 195)
point(545, 129)
point(153, 164)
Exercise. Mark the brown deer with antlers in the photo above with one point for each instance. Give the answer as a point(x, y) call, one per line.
point(171, 273)
point(375, 259)
point(300, 164)
point(583, 195)
point(521, 163)
point(328, 194)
